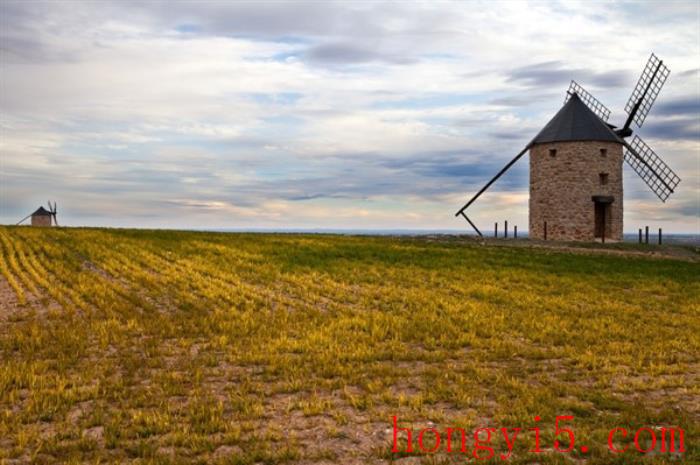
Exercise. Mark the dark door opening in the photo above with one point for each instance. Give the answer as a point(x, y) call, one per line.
point(601, 210)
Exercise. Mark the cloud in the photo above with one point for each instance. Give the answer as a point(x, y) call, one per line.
point(347, 53)
point(523, 99)
point(684, 208)
point(680, 128)
point(555, 73)
point(689, 73)
point(688, 105)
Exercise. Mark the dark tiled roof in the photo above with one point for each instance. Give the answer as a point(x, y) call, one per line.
point(41, 211)
point(574, 122)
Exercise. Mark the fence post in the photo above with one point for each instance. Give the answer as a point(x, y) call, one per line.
point(495, 229)
point(505, 230)
point(659, 236)
point(515, 232)
point(545, 230)
point(646, 235)
point(640, 235)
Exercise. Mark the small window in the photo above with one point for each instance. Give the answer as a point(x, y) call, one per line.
point(552, 152)
point(603, 178)
point(603, 153)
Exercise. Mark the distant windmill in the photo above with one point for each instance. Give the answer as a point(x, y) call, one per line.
point(576, 164)
point(42, 216)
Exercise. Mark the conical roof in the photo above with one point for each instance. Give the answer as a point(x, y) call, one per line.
point(575, 122)
point(41, 211)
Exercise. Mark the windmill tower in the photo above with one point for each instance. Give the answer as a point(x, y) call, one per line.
point(576, 177)
point(576, 190)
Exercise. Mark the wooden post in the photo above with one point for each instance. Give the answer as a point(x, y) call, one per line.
point(545, 230)
point(646, 235)
point(495, 229)
point(659, 236)
point(640, 235)
point(515, 232)
point(505, 230)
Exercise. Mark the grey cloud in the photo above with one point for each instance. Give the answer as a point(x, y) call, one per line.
point(22, 49)
point(270, 20)
point(267, 20)
point(513, 134)
point(674, 129)
point(685, 208)
point(20, 28)
point(345, 53)
point(340, 53)
point(689, 105)
point(523, 99)
point(689, 72)
point(365, 176)
point(456, 169)
point(317, 196)
point(327, 33)
point(676, 208)
point(554, 73)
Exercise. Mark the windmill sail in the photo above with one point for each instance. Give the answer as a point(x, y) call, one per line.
point(591, 102)
point(52, 211)
point(647, 89)
point(660, 178)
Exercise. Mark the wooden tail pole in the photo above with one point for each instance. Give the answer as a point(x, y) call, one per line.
point(23, 219)
point(472, 224)
point(488, 184)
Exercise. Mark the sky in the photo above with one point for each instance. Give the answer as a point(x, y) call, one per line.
point(361, 115)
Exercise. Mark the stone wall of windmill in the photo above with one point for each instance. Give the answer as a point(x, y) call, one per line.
point(41, 219)
point(564, 178)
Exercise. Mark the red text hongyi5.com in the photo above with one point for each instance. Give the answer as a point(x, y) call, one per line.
point(479, 444)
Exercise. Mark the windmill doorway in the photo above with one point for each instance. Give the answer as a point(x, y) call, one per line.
point(601, 206)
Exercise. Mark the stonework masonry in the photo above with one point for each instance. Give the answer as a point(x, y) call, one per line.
point(564, 176)
point(41, 220)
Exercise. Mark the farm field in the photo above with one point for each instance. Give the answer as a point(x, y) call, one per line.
point(135, 346)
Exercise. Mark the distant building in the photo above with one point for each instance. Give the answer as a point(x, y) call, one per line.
point(41, 217)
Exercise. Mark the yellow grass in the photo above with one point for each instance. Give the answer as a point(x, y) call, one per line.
point(183, 347)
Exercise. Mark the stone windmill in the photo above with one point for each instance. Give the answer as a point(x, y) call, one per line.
point(42, 216)
point(576, 164)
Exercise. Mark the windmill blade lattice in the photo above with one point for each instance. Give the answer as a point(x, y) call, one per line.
point(647, 89)
point(591, 102)
point(648, 165)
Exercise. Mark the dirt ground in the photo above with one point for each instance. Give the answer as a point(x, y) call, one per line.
point(688, 253)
